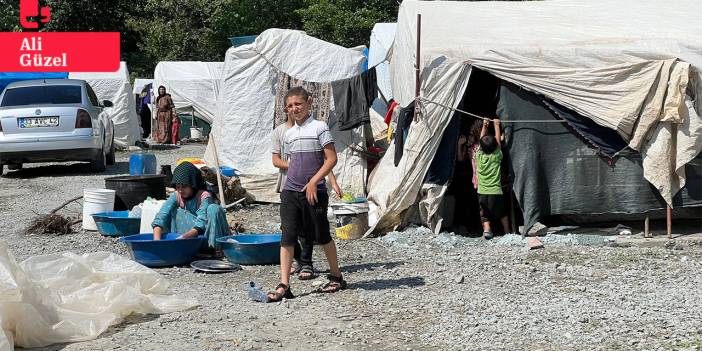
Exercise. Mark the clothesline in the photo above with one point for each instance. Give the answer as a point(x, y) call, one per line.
point(420, 99)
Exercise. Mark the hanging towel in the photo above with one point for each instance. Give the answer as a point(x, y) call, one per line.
point(352, 98)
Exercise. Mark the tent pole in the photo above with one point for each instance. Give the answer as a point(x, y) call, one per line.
point(647, 227)
point(513, 216)
point(669, 220)
point(416, 66)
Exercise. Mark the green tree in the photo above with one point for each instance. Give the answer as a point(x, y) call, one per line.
point(346, 22)
point(9, 16)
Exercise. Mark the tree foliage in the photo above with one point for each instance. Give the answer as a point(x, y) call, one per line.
point(346, 22)
point(180, 30)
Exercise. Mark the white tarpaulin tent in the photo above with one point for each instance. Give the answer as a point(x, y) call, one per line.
point(193, 85)
point(633, 66)
point(381, 39)
point(140, 83)
point(244, 125)
point(115, 86)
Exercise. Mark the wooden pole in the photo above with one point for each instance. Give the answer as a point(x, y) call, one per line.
point(217, 170)
point(416, 66)
point(647, 227)
point(669, 221)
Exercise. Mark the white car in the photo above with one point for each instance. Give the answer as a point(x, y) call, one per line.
point(54, 120)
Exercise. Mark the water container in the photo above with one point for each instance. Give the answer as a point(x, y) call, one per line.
point(148, 212)
point(142, 163)
point(96, 201)
point(351, 220)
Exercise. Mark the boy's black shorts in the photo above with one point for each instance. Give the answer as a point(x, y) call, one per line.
point(492, 206)
point(298, 217)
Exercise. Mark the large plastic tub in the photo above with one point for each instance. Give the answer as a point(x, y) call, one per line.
point(133, 190)
point(168, 251)
point(254, 249)
point(116, 223)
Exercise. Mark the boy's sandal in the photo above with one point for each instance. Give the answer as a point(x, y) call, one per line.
point(487, 235)
point(335, 284)
point(275, 296)
point(306, 272)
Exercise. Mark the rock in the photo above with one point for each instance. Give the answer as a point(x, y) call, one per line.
point(459, 279)
point(534, 243)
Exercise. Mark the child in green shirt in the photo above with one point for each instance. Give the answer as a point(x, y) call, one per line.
point(488, 158)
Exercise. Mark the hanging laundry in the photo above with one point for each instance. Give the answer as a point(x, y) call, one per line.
point(352, 99)
point(403, 125)
point(321, 94)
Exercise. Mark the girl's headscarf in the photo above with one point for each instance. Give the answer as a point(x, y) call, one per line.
point(187, 174)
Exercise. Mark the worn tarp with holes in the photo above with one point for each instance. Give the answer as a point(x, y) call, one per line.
point(636, 72)
point(115, 86)
point(243, 126)
point(555, 172)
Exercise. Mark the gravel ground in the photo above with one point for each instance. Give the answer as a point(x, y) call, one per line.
point(408, 291)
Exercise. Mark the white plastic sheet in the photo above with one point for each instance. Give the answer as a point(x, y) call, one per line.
point(244, 123)
point(193, 85)
point(67, 297)
point(115, 86)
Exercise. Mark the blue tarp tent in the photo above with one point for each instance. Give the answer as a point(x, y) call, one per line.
point(9, 77)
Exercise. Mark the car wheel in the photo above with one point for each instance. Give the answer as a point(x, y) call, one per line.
point(99, 164)
point(111, 154)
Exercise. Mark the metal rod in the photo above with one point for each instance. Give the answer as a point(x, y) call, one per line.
point(669, 221)
point(416, 66)
point(647, 227)
point(513, 216)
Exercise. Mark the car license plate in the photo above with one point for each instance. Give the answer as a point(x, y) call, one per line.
point(37, 122)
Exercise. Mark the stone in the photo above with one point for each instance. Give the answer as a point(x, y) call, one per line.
point(534, 243)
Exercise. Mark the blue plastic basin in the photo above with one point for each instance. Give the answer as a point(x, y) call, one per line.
point(253, 249)
point(168, 251)
point(116, 223)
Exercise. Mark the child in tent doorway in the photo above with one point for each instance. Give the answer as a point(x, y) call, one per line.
point(487, 159)
point(303, 265)
point(191, 210)
point(304, 200)
point(175, 125)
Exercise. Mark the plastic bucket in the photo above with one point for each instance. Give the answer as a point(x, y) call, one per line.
point(351, 220)
point(196, 133)
point(96, 201)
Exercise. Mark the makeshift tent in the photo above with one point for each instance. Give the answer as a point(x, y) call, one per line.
point(381, 40)
point(635, 72)
point(9, 77)
point(139, 85)
point(115, 86)
point(193, 85)
point(246, 106)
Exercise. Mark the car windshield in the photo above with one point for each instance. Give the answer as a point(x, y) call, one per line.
point(40, 95)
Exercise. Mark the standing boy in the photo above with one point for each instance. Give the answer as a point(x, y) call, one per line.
point(303, 249)
point(304, 199)
point(488, 158)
